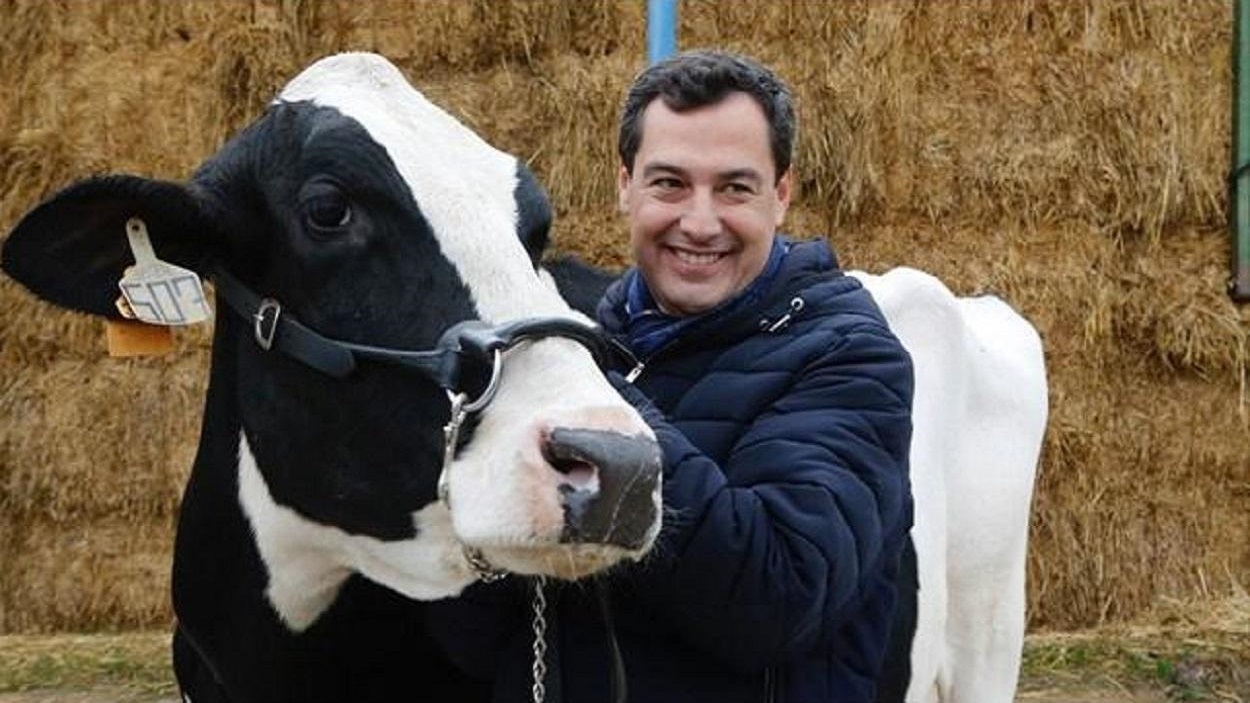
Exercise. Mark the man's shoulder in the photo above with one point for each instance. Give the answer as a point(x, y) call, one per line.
point(834, 300)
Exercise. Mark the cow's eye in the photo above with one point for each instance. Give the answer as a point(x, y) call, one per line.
point(327, 209)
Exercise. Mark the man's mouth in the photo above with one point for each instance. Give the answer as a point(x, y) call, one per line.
point(697, 258)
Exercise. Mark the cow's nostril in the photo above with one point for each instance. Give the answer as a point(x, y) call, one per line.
point(607, 481)
point(576, 471)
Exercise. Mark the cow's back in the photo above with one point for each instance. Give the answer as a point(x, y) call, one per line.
point(978, 416)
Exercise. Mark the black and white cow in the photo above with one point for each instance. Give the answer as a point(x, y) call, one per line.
point(349, 229)
point(310, 525)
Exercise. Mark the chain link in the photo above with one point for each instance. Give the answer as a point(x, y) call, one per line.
point(540, 640)
point(482, 569)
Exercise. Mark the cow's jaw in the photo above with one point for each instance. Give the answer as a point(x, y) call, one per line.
point(307, 562)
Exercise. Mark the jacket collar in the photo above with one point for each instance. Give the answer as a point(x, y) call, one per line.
point(796, 269)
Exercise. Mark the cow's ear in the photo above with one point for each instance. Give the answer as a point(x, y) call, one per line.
point(72, 249)
point(533, 213)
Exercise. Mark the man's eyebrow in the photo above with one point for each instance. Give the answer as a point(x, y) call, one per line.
point(661, 167)
point(746, 174)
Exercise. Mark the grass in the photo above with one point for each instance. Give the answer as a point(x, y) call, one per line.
point(1179, 671)
point(136, 664)
point(1159, 663)
point(1185, 653)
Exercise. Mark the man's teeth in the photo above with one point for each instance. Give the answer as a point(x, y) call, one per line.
point(690, 257)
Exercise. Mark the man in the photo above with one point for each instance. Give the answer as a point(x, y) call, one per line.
point(782, 404)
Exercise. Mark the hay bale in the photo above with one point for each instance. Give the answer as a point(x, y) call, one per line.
point(97, 574)
point(1104, 112)
point(1067, 156)
point(99, 437)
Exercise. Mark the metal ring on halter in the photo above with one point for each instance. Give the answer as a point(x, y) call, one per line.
point(487, 395)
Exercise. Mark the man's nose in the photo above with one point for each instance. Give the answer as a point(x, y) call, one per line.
point(701, 219)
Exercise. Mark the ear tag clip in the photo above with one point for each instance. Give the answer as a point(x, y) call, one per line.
point(157, 292)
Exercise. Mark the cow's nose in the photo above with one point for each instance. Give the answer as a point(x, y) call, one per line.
point(608, 485)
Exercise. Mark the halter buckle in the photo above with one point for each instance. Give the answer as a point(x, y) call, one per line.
point(266, 327)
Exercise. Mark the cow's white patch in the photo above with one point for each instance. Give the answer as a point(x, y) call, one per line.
point(307, 562)
point(978, 415)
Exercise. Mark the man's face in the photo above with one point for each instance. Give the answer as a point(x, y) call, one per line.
point(704, 202)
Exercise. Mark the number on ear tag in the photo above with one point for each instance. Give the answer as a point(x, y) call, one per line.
point(158, 292)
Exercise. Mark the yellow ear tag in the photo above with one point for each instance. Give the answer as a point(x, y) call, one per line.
point(157, 292)
point(130, 338)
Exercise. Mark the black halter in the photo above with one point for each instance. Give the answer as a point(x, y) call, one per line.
point(471, 341)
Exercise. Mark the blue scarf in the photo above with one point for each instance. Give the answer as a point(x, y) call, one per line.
point(648, 328)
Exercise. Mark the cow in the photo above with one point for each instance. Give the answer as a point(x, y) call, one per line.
point(978, 414)
point(268, 606)
point(398, 405)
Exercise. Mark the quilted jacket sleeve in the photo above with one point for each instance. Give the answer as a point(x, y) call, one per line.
point(762, 558)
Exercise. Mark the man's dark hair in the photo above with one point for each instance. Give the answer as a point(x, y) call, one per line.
point(694, 79)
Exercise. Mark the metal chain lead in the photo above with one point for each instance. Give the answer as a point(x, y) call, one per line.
point(540, 640)
point(482, 569)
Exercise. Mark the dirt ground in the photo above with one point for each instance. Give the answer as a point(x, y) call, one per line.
point(114, 695)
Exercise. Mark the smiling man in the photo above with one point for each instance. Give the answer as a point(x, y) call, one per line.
point(782, 404)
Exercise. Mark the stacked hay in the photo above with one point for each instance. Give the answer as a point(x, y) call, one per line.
point(1067, 156)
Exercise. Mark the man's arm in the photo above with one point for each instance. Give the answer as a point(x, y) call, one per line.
point(762, 558)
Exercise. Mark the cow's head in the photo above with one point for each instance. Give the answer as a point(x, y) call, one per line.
point(374, 218)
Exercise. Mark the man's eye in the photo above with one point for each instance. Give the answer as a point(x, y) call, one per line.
point(666, 183)
point(739, 188)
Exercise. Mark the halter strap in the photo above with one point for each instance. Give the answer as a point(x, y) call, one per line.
point(273, 328)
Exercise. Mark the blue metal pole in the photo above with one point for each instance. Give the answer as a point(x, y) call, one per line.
point(661, 29)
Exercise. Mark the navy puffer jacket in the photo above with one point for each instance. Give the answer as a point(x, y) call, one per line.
point(787, 503)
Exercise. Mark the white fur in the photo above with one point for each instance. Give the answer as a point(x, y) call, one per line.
point(308, 562)
point(978, 417)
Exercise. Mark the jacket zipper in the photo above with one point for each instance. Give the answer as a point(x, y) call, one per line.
point(770, 686)
point(635, 372)
point(641, 366)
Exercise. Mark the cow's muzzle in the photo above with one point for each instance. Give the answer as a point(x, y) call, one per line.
point(608, 486)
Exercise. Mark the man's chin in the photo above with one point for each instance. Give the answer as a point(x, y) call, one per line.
point(689, 303)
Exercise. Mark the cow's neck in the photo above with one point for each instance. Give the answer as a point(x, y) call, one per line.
point(304, 570)
point(293, 565)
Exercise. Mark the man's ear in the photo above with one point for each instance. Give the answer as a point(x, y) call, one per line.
point(622, 190)
point(72, 249)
